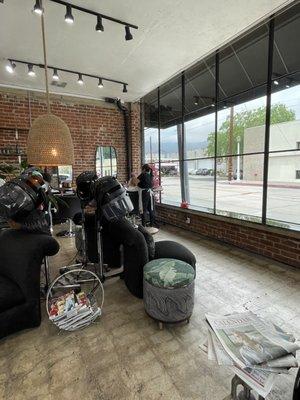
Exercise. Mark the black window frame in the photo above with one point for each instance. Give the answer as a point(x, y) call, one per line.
point(269, 84)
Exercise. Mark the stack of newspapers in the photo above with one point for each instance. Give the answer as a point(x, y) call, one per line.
point(255, 349)
point(73, 311)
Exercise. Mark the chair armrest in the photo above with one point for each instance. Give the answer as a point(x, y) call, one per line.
point(170, 249)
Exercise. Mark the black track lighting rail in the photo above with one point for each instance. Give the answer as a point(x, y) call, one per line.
point(91, 12)
point(67, 70)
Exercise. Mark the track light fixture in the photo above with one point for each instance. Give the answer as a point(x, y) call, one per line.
point(31, 70)
point(10, 67)
point(55, 76)
point(128, 35)
point(100, 83)
point(80, 80)
point(38, 9)
point(69, 17)
point(99, 27)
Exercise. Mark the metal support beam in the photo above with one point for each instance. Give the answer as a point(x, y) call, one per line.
point(268, 121)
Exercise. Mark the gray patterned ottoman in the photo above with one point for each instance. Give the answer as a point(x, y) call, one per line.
point(169, 290)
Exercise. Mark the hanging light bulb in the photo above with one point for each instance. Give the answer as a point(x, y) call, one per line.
point(124, 88)
point(69, 17)
point(99, 27)
point(31, 70)
point(128, 35)
point(55, 76)
point(38, 9)
point(10, 67)
point(80, 80)
point(100, 83)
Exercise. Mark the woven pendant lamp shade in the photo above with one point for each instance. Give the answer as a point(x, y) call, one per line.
point(49, 142)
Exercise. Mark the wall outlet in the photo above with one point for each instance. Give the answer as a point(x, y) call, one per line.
point(188, 220)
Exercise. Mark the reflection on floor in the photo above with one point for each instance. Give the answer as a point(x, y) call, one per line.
point(125, 356)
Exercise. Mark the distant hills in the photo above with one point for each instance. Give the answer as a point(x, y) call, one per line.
point(172, 147)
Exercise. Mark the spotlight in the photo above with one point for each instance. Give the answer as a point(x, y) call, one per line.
point(287, 86)
point(128, 35)
point(276, 83)
point(124, 88)
point(212, 104)
point(80, 80)
point(69, 17)
point(196, 100)
point(38, 9)
point(99, 27)
point(10, 67)
point(55, 76)
point(100, 84)
point(30, 70)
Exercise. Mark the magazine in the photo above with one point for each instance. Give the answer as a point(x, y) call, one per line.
point(73, 311)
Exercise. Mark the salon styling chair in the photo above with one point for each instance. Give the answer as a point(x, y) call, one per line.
point(68, 207)
point(21, 257)
point(139, 248)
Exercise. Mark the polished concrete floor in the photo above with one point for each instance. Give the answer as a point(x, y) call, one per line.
point(125, 356)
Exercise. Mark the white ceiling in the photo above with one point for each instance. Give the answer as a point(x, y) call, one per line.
point(172, 34)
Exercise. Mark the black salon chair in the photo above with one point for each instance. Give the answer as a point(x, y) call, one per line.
point(68, 207)
point(21, 256)
point(139, 248)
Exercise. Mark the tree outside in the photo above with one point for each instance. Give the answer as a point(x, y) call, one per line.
point(243, 120)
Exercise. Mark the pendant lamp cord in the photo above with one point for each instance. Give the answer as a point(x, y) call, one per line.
point(45, 63)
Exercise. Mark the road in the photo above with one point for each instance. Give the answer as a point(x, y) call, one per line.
point(283, 202)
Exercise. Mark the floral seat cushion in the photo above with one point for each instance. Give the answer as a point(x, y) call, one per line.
point(168, 273)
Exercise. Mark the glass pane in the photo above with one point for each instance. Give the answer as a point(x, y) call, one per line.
point(200, 89)
point(286, 42)
point(199, 118)
point(284, 189)
point(170, 118)
point(285, 115)
point(243, 65)
point(239, 195)
point(241, 128)
point(284, 163)
point(150, 103)
point(151, 144)
point(200, 184)
point(170, 182)
point(200, 137)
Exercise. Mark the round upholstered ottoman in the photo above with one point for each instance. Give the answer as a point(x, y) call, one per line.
point(169, 290)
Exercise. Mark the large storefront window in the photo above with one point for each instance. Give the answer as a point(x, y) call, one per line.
point(228, 129)
point(284, 157)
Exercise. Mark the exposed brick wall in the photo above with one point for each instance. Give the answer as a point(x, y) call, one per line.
point(267, 241)
point(91, 124)
point(136, 138)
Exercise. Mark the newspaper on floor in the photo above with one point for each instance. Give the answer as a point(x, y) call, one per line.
point(248, 340)
point(255, 350)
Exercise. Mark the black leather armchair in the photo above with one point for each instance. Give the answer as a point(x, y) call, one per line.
point(21, 256)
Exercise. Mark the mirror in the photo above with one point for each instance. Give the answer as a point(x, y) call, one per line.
point(60, 176)
point(106, 161)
